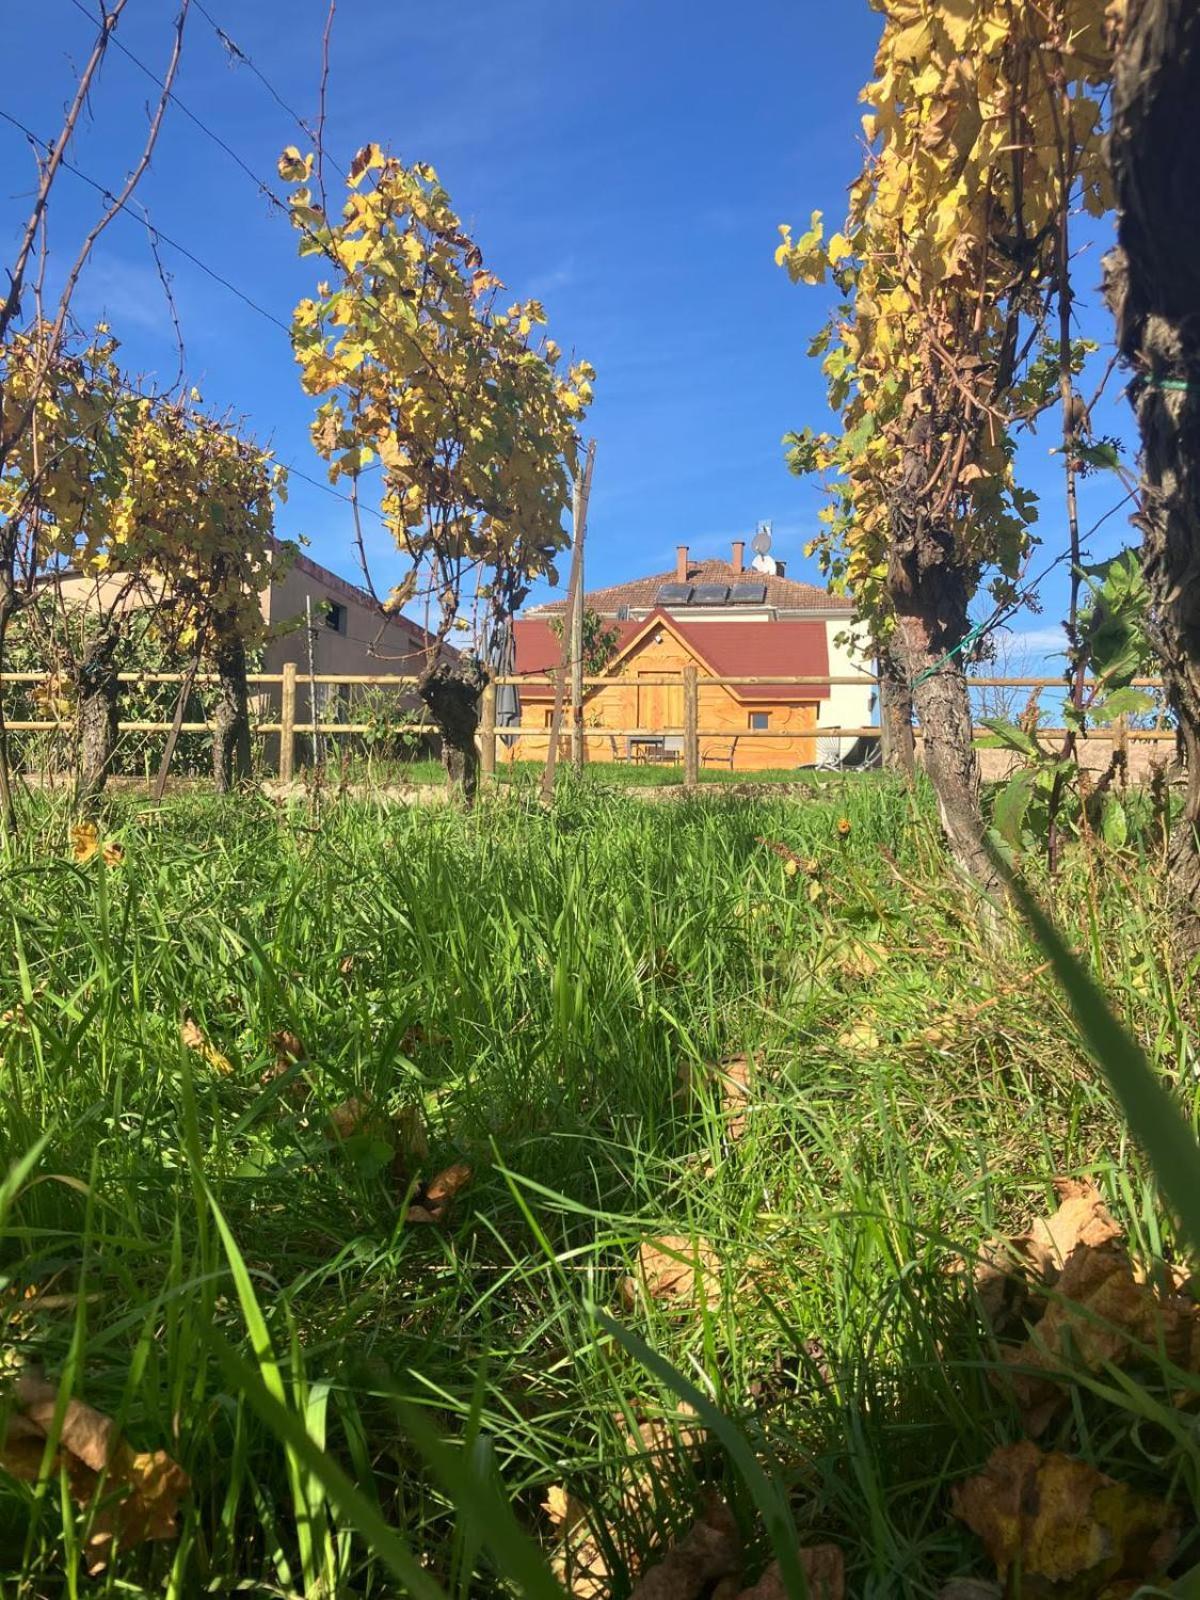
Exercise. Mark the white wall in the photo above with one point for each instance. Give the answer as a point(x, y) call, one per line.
point(850, 705)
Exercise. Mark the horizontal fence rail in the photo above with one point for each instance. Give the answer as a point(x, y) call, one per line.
point(280, 691)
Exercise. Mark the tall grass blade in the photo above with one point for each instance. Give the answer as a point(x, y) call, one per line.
point(1156, 1121)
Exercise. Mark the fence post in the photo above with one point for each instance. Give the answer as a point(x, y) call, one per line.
point(487, 732)
point(287, 723)
point(691, 727)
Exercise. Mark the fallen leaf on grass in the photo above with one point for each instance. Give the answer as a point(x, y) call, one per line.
point(708, 1552)
point(418, 1037)
point(1099, 1314)
point(731, 1079)
point(578, 1560)
point(85, 843)
point(1082, 1218)
point(970, 1589)
point(824, 1572)
point(289, 1051)
point(674, 1269)
point(652, 1449)
point(140, 1491)
point(287, 1046)
point(85, 840)
point(196, 1039)
point(434, 1199)
point(860, 1038)
point(862, 958)
point(1007, 1268)
point(1060, 1522)
point(357, 1115)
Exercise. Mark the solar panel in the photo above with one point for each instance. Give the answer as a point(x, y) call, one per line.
point(710, 594)
point(673, 594)
point(748, 594)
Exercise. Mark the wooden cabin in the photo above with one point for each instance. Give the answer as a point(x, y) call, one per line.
point(646, 718)
point(728, 619)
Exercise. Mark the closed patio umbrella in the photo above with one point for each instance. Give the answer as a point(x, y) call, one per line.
point(502, 661)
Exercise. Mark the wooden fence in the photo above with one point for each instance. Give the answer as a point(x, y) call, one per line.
point(572, 737)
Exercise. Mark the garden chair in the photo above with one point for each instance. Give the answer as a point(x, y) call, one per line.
point(721, 755)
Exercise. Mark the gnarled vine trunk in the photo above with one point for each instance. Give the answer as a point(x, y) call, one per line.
point(451, 690)
point(895, 713)
point(1154, 288)
point(98, 715)
point(231, 718)
point(929, 592)
point(8, 814)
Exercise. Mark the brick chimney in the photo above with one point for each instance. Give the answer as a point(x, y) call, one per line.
point(681, 562)
point(739, 555)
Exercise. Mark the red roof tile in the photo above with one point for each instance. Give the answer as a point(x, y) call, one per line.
point(785, 594)
point(727, 649)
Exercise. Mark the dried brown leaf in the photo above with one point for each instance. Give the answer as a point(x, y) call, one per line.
point(359, 1114)
point(442, 1189)
point(1059, 1521)
point(1006, 1268)
point(87, 1433)
point(140, 1491)
point(432, 1202)
point(730, 1080)
point(860, 1038)
point(289, 1051)
point(1082, 1218)
point(287, 1046)
point(824, 1570)
point(85, 840)
point(676, 1270)
point(1099, 1314)
point(194, 1037)
point(709, 1551)
point(653, 1447)
point(22, 1448)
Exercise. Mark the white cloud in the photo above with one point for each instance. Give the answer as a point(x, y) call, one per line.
point(1036, 642)
point(126, 293)
point(545, 283)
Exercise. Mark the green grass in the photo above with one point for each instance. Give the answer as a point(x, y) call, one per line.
point(614, 774)
point(240, 1289)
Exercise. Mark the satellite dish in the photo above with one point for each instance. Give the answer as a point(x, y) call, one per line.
point(761, 542)
point(765, 564)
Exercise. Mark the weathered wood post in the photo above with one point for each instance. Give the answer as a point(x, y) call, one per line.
point(487, 731)
point(691, 726)
point(287, 723)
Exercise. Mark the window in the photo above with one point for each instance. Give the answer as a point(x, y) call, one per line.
point(760, 721)
point(547, 719)
point(335, 617)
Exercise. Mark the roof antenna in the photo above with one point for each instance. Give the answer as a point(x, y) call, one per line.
point(763, 561)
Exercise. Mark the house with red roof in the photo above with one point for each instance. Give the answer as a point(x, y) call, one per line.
point(728, 621)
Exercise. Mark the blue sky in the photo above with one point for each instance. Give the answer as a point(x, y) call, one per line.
point(628, 163)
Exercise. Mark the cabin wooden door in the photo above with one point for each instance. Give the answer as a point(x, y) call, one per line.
point(659, 705)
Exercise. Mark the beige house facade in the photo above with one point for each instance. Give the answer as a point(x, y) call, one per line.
point(348, 635)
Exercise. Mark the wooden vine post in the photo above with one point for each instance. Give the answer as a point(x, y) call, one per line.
point(287, 723)
point(691, 726)
point(487, 732)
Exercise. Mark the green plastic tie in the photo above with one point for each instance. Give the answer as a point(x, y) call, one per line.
point(969, 639)
point(1179, 385)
